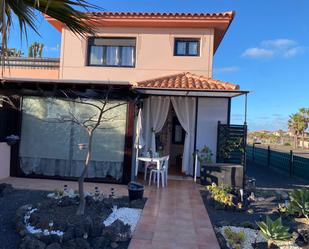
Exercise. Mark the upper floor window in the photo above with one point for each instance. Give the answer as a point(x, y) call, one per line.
point(187, 47)
point(111, 52)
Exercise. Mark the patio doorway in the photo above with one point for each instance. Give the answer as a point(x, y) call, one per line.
point(170, 141)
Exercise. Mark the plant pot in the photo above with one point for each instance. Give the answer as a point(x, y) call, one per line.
point(136, 191)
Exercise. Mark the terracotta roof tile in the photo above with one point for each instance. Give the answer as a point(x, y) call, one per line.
point(186, 80)
point(143, 15)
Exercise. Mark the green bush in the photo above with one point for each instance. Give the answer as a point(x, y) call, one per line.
point(221, 194)
point(286, 144)
point(299, 203)
point(274, 230)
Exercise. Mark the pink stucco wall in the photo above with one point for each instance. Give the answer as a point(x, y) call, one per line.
point(38, 73)
point(5, 154)
point(154, 54)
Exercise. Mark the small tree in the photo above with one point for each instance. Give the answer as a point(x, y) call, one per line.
point(97, 117)
point(297, 125)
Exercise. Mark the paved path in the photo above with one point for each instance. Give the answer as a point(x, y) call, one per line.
point(173, 217)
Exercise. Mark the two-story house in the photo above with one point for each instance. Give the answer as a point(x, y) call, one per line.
point(164, 59)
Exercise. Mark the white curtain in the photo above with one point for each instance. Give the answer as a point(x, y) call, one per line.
point(155, 112)
point(185, 111)
point(127, 56)
point(139, 140)
point(112, 55)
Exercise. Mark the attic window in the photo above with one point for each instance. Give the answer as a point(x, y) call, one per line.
point(187, 47)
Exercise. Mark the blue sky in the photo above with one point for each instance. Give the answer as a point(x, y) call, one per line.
point(266, 51)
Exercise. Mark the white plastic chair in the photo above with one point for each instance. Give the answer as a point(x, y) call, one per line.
point(161, 172)
point(149, 165)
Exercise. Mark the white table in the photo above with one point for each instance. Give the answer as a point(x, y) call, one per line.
point(147, 160)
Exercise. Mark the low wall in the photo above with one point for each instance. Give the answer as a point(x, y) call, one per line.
point(5, 158)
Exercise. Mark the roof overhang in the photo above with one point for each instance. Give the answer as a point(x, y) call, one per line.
point(191, 93)
point(62, 81)
point(220, 22)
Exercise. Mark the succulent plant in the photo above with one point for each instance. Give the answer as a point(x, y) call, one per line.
point(299, 202)
point(274, 230)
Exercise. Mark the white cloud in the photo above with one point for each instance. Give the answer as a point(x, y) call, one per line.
point(258, 53)
point(278, 43)
point(226, 69)
point(291, 52)
point(284, 48)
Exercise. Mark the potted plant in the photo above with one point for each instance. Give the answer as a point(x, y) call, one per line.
point(204, 156)
point(12, 139)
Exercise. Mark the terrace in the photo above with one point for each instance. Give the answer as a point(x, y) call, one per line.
point(25, 67)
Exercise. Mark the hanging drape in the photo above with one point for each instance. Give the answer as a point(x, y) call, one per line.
point(185, 111)
point(155, 113)
point(139, 140)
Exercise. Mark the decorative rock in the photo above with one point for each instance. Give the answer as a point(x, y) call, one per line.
point(118, 231)
point(84, 226)
point(30, 242)
point(5, 189)
point(68, 234)
point(114, 245)
point(54, 246)
point(76, 244)
point(100, 242)
point(97, 229)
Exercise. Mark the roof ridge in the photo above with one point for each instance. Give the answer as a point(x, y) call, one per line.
point(163, 14)
point(208, 82)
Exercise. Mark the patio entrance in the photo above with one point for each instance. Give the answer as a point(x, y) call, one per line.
point(170, 141)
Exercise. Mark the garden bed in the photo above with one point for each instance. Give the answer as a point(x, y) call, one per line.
point(51, 222)
point(265, 203)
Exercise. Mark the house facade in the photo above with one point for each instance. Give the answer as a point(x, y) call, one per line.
point(160, 63)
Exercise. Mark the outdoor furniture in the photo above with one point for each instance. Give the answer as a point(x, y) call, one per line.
point(150, 162)
point(162, 172)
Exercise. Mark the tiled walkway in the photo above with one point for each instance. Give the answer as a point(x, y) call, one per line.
point(174, 217)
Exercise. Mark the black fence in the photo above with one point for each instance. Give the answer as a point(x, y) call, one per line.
point(231, 143)
point(286, 162)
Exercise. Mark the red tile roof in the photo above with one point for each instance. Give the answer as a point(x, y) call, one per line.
point(186, 80)
point(144, 15)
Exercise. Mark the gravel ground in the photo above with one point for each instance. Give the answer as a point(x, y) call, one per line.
point(9, 238)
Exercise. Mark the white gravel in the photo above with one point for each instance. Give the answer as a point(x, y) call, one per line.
point(256, 236)
point(129, 216)
point(33, 230)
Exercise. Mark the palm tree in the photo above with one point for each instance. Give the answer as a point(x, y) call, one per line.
point(297, 125)
point(65, 11)
point(304, 112)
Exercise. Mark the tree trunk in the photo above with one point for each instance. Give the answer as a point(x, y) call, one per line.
point(81, 179)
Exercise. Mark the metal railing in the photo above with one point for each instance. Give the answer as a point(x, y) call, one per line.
point(26, 62)
point(291, 162)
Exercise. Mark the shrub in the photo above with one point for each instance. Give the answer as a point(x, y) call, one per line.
point(221, 194)
point(286, 144)
point(234, 239)
point(274, 230)
point(299, 203)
